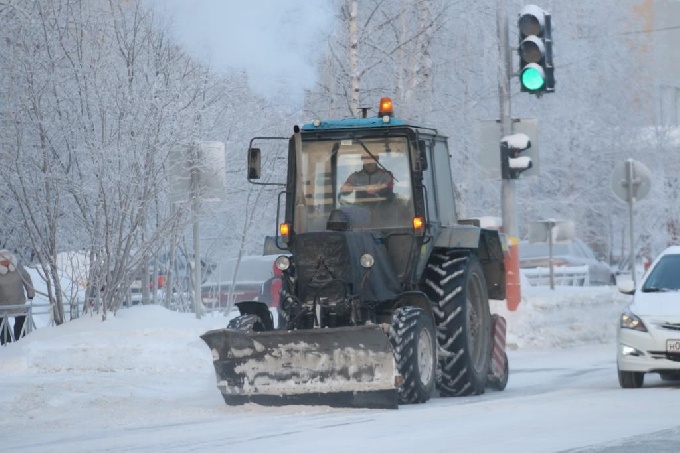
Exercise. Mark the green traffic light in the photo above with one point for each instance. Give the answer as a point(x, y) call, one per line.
point(532, 77)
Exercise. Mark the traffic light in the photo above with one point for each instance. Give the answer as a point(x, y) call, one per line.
point(536, 70)
point(512, 164)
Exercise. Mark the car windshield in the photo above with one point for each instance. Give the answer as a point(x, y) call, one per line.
point(665, 276)
point(528, 250)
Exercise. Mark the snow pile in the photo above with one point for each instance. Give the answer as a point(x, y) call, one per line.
point(144, 380)
point(142, 339)
point(564, 317)
point(152, 339)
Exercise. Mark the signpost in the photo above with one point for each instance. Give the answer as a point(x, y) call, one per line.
point(631, 181)
point(551, 230)
point(198, 174)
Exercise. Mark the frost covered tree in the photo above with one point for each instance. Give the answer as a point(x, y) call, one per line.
point(97, 95)
point(378, 49)
point(439, 61)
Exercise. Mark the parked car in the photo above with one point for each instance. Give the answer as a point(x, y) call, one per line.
point(648, 335)
point(566, 254)
point(248, 277)
point(271, 247)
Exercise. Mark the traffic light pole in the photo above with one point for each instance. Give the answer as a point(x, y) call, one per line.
point(508, 211)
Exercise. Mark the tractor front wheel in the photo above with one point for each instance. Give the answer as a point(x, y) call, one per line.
point(412, 336)
point(247, 323)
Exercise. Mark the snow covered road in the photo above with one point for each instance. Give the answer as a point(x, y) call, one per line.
point(144, 381)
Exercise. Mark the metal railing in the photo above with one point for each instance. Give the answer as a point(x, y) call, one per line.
point(562, 275)
point(30, 310)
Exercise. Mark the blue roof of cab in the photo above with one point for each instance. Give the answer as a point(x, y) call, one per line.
point(351, 123)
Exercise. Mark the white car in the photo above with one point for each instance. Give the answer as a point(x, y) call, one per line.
point(648, 335)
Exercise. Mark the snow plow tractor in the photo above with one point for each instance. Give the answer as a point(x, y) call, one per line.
point(385, 292)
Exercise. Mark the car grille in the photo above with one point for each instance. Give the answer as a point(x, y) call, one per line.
point(663, 355)
point(669, 325)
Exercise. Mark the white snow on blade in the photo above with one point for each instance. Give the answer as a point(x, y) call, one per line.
point(238, 353)
point(302, 367)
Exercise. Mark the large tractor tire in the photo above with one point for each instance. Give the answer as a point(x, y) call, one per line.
point(413, 339)
point(454, 281)
point(247, 323)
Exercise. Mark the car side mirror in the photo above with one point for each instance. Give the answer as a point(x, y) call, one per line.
point(626, 286)
point(254, 163)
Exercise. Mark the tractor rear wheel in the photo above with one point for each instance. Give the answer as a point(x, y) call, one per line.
point(454, 281)
point(412, 336)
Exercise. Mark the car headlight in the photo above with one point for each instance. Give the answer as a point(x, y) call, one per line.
point(629, 321)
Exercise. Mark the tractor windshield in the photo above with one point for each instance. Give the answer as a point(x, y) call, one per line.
point(368, 179)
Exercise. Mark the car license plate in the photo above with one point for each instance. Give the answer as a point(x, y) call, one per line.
point(673, 346)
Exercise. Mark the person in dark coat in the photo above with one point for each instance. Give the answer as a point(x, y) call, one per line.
point(370, 184)
point(15, 287)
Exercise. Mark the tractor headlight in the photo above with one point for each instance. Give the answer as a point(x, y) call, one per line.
point(629, 321)
point(282, 263)
point(367, 261)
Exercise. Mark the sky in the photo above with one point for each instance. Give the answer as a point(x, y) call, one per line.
point(144, 381)
point(276, 42)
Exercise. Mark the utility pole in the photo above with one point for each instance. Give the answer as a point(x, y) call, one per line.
point(508, 211)
point(195, 209)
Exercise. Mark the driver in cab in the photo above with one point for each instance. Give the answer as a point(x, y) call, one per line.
point(370, 184)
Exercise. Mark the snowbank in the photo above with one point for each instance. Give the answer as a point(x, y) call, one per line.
point(564, 317)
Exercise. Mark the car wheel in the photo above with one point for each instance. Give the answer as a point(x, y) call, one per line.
point(631, 379)
point(670, 376)
point(612, 280)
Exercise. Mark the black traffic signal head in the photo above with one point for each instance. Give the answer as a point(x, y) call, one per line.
point(536, 70)
point(512, 163)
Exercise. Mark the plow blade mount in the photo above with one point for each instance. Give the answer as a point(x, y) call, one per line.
point(339, 367)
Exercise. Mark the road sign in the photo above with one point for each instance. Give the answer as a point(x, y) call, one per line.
point(551, 229)
point(631, 178)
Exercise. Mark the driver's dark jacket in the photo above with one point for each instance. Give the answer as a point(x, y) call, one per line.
point(364, 178)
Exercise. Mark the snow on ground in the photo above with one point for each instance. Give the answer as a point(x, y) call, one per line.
point(565, 317)
point(147, 366)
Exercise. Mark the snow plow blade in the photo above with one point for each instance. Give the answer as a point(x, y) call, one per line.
point(338, 367)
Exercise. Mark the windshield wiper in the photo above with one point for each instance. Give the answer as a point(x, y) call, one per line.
point(654, 289)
